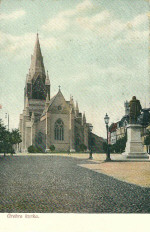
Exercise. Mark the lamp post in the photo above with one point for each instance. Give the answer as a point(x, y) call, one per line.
point(7, 116)
point(90, 140)
point(106, 119)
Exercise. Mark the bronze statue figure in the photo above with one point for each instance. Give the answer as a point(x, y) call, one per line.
point(135, 110)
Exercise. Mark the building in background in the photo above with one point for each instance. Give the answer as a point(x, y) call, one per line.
point(118, 129)
point(112, 131)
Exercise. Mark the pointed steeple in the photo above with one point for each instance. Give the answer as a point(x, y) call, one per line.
point(47, 98)
point(32, 116)
point(77, 108)
point(47, 80)
point(37, 49)
point(71, 100)
point(59, 90)
point(84, 118)
point(37, 66)
point(27, 102)
point(47, 101)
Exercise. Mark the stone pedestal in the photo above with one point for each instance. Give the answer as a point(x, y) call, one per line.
point(134, 147)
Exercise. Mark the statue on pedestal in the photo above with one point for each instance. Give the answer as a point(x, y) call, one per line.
point(135, 110)
point(134, 147)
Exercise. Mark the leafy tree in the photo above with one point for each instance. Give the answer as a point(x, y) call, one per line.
point(33, 149)
point(4, 138)
point(52, 148)
point(8, 139)
point(15, 136)
point(120, 145)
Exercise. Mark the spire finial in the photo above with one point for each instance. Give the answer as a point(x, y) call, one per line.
point(77, 107)
point(59, 87)
point(47, 81)
point(47, 98)
point(84, 118)
point(32, 116)
point(47, 76)
point(27, 102)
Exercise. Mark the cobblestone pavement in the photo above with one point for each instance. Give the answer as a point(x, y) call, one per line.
point(45, 184)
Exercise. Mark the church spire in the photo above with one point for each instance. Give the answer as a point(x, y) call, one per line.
point(77, 108)
point(37, 66)
point(47, 101)
point(84, 118)
point(47, 98)
point(47, 81)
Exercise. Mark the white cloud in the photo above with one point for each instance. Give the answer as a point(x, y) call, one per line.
point(58, 23)
point(85, 5)
point(13, 15)
point(10, 43)
point(49, 43)
point(107, 26)
point(104, 24)
point(67, 13)
point(22, 45)
point(138, 20)
point(62, 20)
point(101, 17)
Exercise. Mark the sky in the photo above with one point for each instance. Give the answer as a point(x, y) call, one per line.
point(96, 50)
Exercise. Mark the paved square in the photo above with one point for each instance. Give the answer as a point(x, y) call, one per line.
point(55, 183)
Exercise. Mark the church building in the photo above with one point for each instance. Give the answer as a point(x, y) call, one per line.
point(47, 120)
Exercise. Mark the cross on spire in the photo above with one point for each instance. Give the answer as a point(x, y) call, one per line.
point(59, 87)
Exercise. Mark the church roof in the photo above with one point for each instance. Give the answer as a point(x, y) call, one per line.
point(50, 102)
point(37, 66)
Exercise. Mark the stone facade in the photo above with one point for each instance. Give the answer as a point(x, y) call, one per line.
point(47, 121)
point(118, 129)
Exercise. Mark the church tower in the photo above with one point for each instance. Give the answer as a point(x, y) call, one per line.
point(37, 89)
point(37, 85)
point(37, 82)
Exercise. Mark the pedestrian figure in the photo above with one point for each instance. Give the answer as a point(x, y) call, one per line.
point(69, 152)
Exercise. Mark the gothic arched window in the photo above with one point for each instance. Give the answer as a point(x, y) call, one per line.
point(59, 130)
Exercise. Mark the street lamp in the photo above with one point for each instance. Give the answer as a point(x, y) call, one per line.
point(90, 140)
point(7, 116)
point(106, 119)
